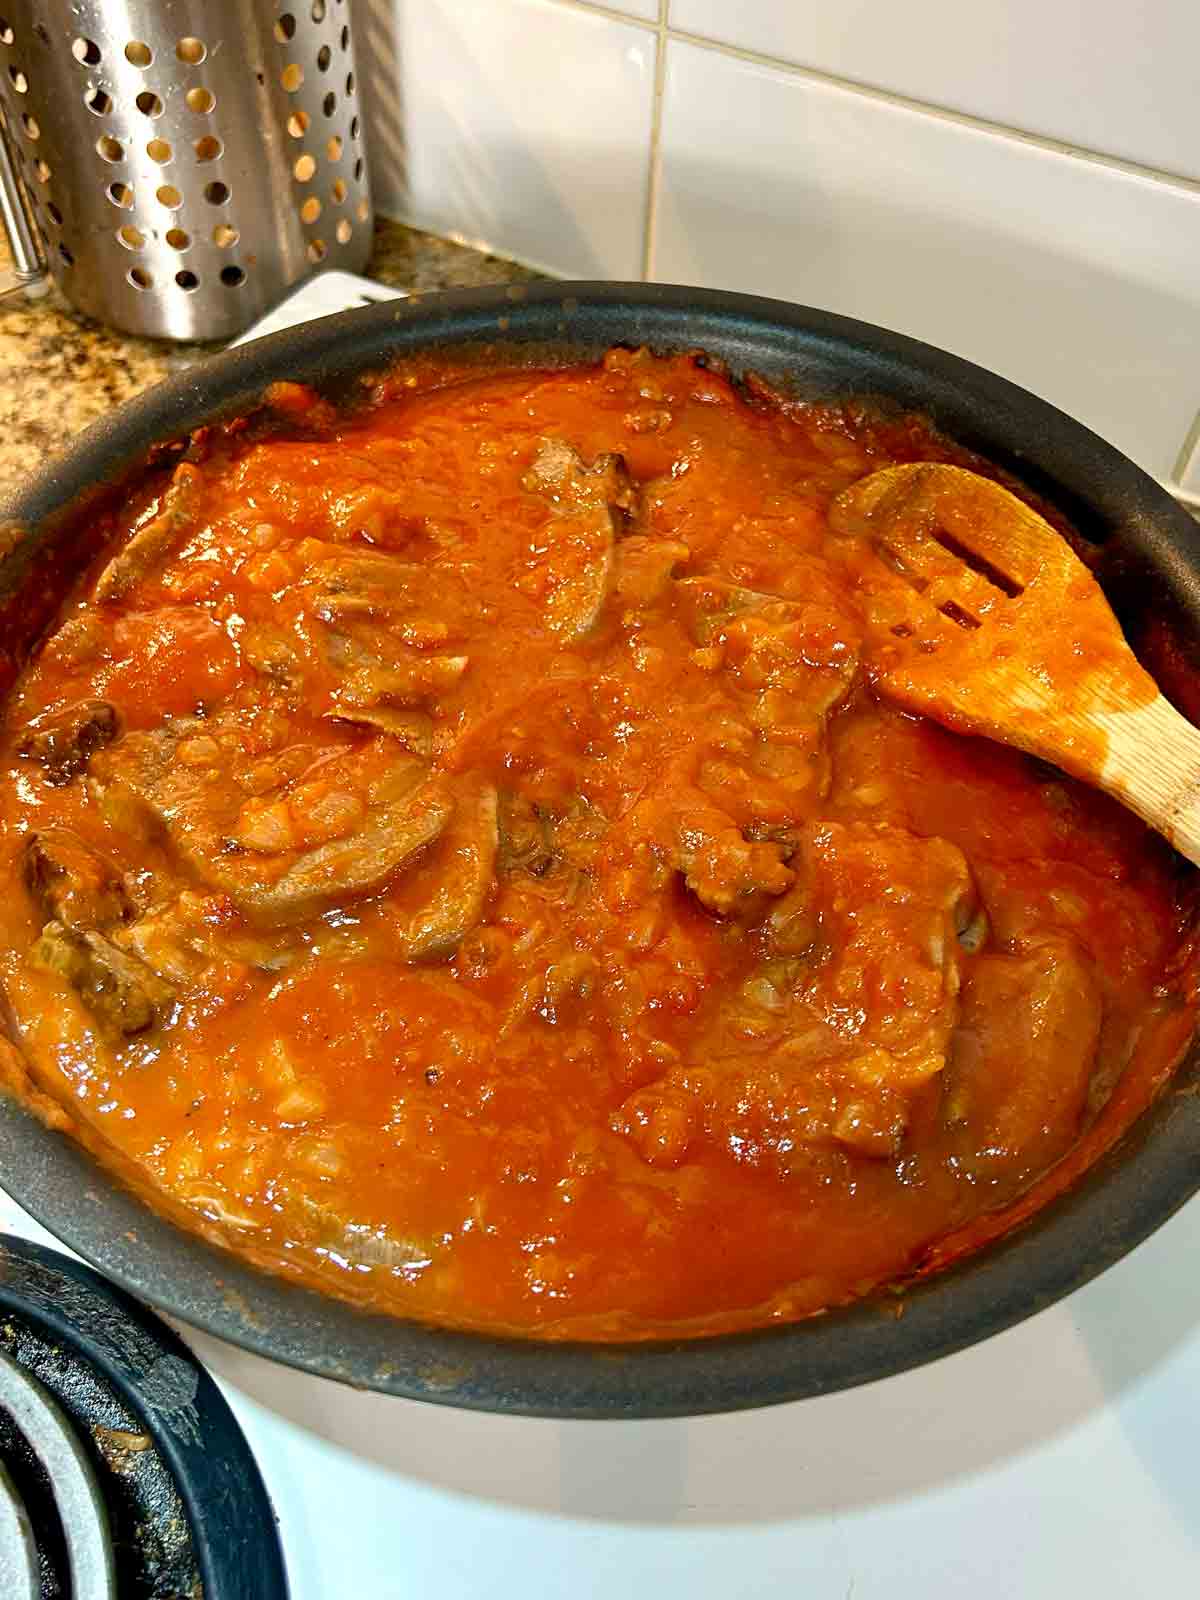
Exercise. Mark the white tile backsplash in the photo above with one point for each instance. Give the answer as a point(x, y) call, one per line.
point(1077, 280)
point(530, 126)
point(524, 124)
point(1113, 76)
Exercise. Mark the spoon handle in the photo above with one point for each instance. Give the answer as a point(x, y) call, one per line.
point(1152, 765)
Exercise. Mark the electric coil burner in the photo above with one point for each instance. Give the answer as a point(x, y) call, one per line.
point(123, 1472)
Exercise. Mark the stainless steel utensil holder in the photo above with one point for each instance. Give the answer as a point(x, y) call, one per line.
point(184, 162)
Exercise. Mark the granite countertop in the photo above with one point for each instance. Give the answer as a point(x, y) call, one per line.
point(59, 370)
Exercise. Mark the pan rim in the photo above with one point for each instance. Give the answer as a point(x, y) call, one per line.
point(1122, 1199)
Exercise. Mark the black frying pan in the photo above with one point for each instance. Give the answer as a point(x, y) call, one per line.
point(1150, 541)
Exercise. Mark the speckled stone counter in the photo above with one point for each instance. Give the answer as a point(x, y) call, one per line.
point(60, 371)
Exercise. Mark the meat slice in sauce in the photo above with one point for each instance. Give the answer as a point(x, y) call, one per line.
point(645, 568)
point(151, 542)
point(71, 883)
point(121, 991)
point(791, 664)
point(380, 636)
point(548, 851)
point(63, 740)
point(434, 911)
point(340, 826)
point(366, 643)
point(374, 680)
point(347, 583)
point(798, 659)
point(559, 472)
point(573, 572)
point(189, 939)
point(838, 1037)
point(890, 906)
point(728, 873)
point(882, 974)
point(678, 829)
point(1023, 1056)
point(410, 728)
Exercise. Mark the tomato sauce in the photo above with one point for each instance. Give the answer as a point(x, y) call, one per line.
point(465, 863)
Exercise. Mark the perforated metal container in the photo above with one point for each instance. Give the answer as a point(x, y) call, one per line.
point(185, 162)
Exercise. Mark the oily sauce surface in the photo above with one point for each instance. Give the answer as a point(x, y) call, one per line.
point(459, 860)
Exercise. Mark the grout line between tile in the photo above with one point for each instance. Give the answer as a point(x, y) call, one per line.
point(615, 16)
point(654, 153)
point(962, 119)
point(1187, 451)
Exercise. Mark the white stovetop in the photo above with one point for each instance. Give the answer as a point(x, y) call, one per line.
point(1060, 1459)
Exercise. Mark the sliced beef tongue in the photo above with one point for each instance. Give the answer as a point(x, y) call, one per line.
point(143, 552)
point(851, 1014)
point(727, 873)
point(84, 900)
point(440, 904)
point(591, 506)
point(373, 682)
point(372, 617)
point(791, 664)
point(797, 658)
point(345, 583)
point(64, 740)
point(559, 471)
point(121, 991)
point(645, 569)
point(327, 825)
point(71, 883)
point(1023, 1057)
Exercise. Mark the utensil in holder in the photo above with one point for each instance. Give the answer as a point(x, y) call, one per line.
point(178, 165)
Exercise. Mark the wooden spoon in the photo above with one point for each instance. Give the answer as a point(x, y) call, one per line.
point(980, 616)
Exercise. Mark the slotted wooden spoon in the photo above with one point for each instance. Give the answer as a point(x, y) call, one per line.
point(982, 617)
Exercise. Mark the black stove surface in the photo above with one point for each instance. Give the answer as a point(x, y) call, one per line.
point(123, 1472)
